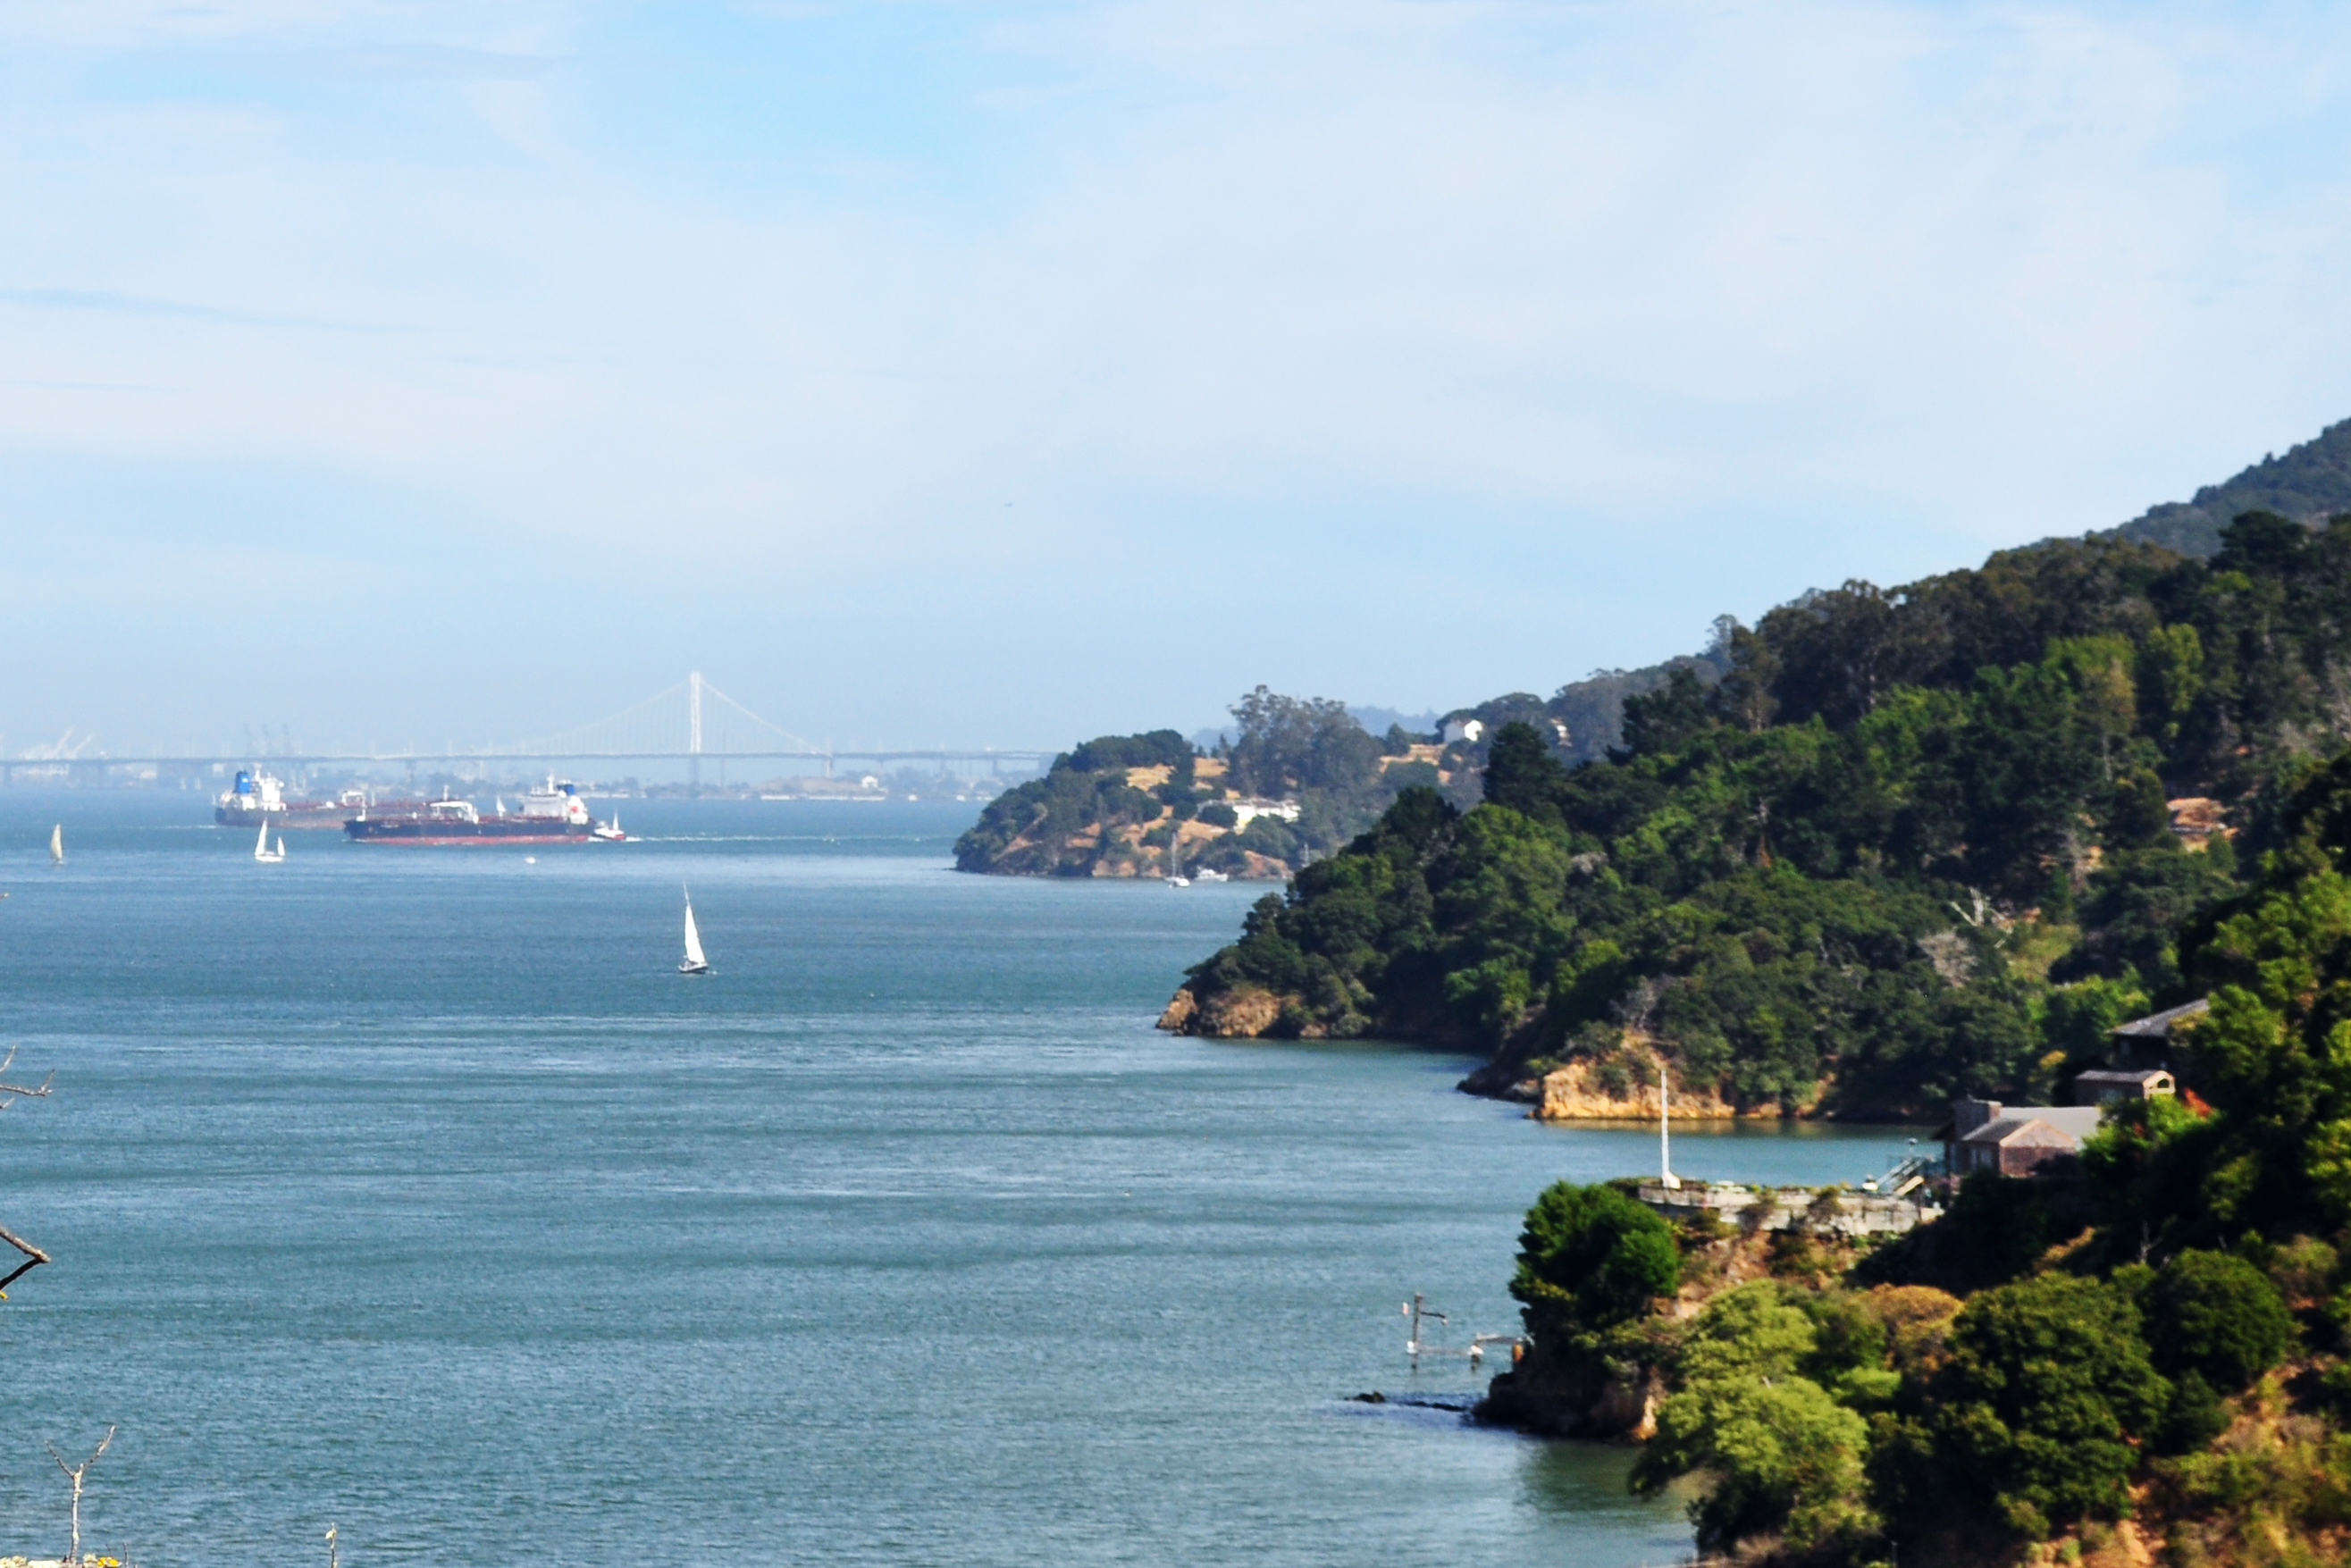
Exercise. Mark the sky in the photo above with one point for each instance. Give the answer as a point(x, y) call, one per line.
point(935, 374)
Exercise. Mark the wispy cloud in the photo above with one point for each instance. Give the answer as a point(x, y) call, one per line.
point(410, 62)
point(177, 309)
point(32, 384)
point(1413, 352)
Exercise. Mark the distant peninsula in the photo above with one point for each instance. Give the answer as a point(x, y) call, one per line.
point(1302, 779)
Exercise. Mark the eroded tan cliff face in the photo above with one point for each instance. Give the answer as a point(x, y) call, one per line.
point(1579, 1093)
point(1242, 1014)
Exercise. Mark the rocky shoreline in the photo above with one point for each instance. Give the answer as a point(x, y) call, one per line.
point(1578, 1090)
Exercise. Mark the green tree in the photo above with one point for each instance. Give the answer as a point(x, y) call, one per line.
point(2217, 1317)
point(1781, 1456)
point(2046, 1384)
point(1520, 774)
point(1591, 1257)
point(1665, 721)
point(1781, 1459)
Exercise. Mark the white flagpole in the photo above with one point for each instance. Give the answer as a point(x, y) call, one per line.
point(1665, 1133)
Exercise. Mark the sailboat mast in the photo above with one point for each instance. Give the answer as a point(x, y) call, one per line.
point(1665, 1130)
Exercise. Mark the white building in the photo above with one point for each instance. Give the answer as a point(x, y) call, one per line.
point(1259, 806)
point(1463, 729)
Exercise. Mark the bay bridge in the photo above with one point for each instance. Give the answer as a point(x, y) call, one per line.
point(689, 723)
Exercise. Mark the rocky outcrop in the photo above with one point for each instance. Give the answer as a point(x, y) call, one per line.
point(1243, 1013)
point(1555, 1397)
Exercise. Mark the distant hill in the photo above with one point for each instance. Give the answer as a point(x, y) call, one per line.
point(2310, 484)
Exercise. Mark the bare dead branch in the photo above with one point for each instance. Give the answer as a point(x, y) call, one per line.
point(34, 1259)
point(75, 1474)
point(18, 1089)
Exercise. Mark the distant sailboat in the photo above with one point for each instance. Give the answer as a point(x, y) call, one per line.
point(695, 963)
point(263, 853)
point(58, 844)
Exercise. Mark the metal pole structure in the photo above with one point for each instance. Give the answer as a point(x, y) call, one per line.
point(1664, 1135)
point(693, 729)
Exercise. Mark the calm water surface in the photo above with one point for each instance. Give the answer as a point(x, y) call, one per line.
point(413, 1190)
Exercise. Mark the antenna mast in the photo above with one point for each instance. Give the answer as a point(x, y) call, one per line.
point(1664, 1134)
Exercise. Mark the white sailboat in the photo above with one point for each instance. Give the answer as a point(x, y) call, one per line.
point(58, 844)
point(263, 853)
point(695, 963)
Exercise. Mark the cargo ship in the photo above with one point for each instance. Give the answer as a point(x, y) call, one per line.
point(553, 815)
point(260, 797)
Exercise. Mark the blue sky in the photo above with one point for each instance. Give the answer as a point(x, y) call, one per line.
point(965, 373)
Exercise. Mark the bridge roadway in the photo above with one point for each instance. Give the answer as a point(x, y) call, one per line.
point(8, 767)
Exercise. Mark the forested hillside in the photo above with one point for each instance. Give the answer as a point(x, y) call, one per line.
point(1583, 719)
point(1913, 842)
point(2152, 1364)
point(2310, 483)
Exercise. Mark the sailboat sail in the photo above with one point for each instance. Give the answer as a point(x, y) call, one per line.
point(261, 844)
point(695, 963)
point(58, 844)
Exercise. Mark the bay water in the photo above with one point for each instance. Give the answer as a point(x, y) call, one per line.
point(413, 1191)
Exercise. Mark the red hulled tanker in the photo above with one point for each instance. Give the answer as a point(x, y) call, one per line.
point(554, 815)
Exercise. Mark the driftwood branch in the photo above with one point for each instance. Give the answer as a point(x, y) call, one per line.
point(34, 1258)
point(16, 1090)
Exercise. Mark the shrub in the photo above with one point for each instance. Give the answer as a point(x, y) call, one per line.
point(2047, 1381)
point(2216, 1317)
point(1784, 1458)
point(1849, 1335)
point(1159, 748)
point(1781, 1457)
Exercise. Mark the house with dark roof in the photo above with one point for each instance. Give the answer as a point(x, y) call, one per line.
point(2014, 1140)
point(2159, 1040)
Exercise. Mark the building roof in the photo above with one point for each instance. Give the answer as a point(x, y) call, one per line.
point(2158, 1026)
point(2065, 1124)
point(2120, 1077)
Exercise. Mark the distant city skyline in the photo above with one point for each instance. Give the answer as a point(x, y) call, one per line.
point(945, 375)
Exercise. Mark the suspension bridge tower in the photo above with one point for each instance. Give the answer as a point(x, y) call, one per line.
point(694, 730)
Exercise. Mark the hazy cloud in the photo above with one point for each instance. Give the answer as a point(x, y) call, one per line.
point(1412, 353)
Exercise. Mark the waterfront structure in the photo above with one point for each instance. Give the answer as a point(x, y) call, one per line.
point(1822, 1210)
